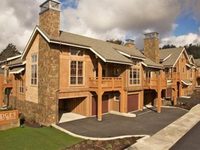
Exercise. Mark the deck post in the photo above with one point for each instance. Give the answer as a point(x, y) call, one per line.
point(141, 100)
point(159, 90)
point(99, 92)
point(175, 96)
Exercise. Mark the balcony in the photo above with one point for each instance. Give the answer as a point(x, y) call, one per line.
point(173, 76)
point(108, 83)
point(152, 83)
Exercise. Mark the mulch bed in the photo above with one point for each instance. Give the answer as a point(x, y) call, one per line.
point(118, 144)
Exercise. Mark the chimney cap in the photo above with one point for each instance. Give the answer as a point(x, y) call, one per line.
point(151, 35)
point(130, 41)
point(56, 1)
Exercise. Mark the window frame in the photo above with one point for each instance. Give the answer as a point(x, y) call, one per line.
point(34, 72)
point(138, 74)
point(77, 73)
point(21, 86)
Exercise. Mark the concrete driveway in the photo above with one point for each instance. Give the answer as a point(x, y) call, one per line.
point(147, 123)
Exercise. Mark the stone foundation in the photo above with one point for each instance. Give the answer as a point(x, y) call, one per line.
point(33, 111)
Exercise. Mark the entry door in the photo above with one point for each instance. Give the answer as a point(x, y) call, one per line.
point(133, 100)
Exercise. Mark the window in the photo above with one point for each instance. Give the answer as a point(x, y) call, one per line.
point(76, 51)
point(76, 73)
point(21, 86)
point(34, 69)
point(134, 78)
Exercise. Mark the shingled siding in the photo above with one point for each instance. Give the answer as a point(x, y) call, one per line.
point(48, 82)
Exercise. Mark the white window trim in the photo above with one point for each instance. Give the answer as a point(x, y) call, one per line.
point(35, 63)
point(140, 72)
point(76, 85)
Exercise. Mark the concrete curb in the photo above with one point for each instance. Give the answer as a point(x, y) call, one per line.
point(129, 115)
point(97, 138)
point(175, 108)
point(167, 137)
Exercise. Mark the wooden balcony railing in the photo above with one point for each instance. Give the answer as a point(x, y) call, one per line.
point(152, 83)
point(173, 76)
point(110, 83)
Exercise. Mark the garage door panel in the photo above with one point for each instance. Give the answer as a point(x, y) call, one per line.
point(132, 103)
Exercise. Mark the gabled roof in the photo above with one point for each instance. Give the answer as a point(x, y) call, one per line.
point(108, 52)
point(169, 57)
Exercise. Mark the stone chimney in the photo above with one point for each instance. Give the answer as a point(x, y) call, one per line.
point(151, 46)
point(130, 43)
point(49, 17)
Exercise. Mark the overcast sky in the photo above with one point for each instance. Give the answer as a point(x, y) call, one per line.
point(177, 21)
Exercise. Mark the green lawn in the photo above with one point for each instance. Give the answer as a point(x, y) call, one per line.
point(35, 139)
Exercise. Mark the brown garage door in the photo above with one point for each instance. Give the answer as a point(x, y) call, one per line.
point(105, 101)
point(133, 102)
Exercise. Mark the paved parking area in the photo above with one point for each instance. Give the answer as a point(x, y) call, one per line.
point(147, 123)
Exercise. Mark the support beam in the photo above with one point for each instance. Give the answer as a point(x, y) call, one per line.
point(141, 100)
point(123, 101)
point(175, 96)
point(159, 90)
point(100, 92)
point(123, 94)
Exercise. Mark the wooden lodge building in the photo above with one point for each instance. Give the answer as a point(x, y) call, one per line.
point(64, 72)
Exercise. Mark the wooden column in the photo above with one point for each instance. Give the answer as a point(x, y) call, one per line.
point(99, 92)
point(159, 90)
point(141, 100)
point(123, 99)
point(175, 96)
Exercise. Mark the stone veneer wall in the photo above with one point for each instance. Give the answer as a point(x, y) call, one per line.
point(151, 49)
point(49, 21)
point(30, 110)
point(48, 82)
